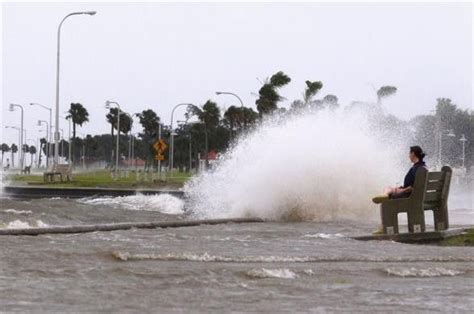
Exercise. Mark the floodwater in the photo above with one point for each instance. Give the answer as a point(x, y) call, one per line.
point(272, 266)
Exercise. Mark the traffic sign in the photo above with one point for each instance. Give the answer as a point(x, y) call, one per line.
point(160, 146)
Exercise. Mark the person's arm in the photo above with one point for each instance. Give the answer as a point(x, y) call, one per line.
point(403, 190)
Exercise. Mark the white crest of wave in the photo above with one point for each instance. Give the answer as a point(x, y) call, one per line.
point(422, 272)
point(324, 236)
point(206, 257)
point(3, 180)
point(283, 273)
point(19, 224)
point(17, 212)
point(163, 203)
point(318, 166)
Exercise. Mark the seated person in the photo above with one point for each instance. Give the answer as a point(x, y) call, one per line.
point(416, 156)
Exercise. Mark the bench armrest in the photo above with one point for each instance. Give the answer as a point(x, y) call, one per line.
point(396, 203)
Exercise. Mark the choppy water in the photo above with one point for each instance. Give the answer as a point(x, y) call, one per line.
point(273, 266)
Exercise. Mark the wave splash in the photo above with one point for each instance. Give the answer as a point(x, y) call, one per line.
point(319, 166)
point(20, 224)
point(163, 203)
point(283, 273)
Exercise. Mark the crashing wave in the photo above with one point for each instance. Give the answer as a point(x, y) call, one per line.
point(206, 257)
point(422, 272)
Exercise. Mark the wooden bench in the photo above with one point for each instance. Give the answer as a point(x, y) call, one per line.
point(430, 192)
point(27, 170)
point(61, 170)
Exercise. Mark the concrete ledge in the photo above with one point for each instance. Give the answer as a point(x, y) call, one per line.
point(422, 237)
point(44, 192)
point(122, 226)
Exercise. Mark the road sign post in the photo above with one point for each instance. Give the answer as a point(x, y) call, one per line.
point(160, 147)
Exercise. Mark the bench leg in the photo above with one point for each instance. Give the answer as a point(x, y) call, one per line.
point(416, 220)
point(441, 221)
point(389, 220)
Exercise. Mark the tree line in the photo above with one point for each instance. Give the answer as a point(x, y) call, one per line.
point(205, 128)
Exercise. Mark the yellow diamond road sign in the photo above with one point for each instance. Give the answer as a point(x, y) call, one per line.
point(160, 146)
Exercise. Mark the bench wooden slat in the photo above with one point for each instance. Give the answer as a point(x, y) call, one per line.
point(432, 196)
point(435, 186)
point(435, 176)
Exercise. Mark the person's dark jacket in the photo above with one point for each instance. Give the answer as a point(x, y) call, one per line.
point(409, 180)
point(410, 177)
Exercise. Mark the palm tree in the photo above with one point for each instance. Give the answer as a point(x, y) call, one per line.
point(43, 144)
point(312, 88)
point(13, 149)
point(239, 118)
point(331, 101)
point(150, 122)
point(32, 152)
point(25, 149)
point(5, 149)
point(79, 116)
point(268, 95)
point(112, 119)
point(209, 116)
point(384, 92)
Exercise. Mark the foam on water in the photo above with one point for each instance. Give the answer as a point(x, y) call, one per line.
point(20, 224)
point(17, 212)
point(318, 166)
point(422, 272)
point(283, 273)
point(163, 203)
point(206, 257)
point(324, 235)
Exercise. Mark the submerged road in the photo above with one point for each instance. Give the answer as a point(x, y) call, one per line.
point(42, 192)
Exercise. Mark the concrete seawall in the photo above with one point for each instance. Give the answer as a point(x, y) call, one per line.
point(123, 226)
point(45, 192)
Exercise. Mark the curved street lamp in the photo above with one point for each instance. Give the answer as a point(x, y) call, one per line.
point(12, 108)
point(108, 104)
point(56, 131)
point(48, 134)
point(171, 152)
point(235, 95)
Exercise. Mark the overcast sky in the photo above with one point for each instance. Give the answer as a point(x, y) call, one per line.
point(157, 55)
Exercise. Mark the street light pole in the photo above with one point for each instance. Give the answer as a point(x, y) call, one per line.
point(450, 134)
point(12, 108)
point(463, 141)
point(129, 140)
point(83, 154)
point(48, 134)
point(107, 105)
point(56, 132)
point(62, 142)
point(235, 95)
point(32, 140)
point(69, 138)
point(189, 144)
point(171, 152)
